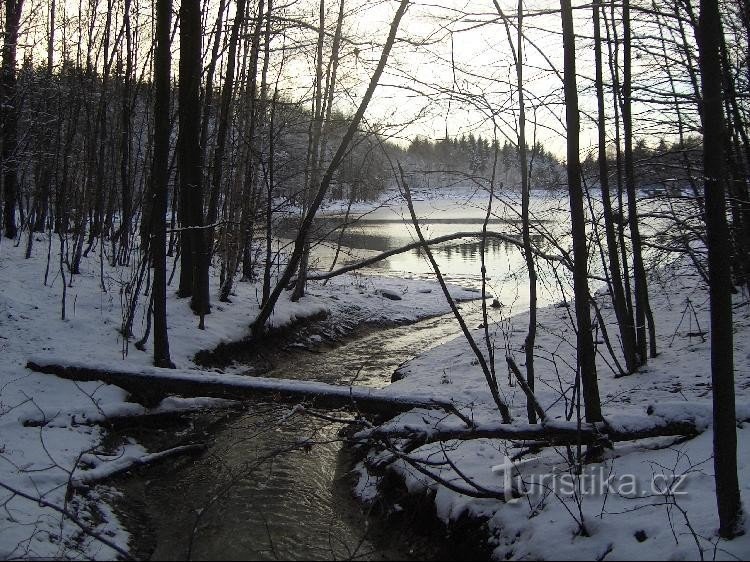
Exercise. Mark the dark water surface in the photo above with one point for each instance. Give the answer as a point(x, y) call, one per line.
point(236, 502)
point(241, 500)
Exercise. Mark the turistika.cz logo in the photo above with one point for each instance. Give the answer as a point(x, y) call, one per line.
point(592, 481)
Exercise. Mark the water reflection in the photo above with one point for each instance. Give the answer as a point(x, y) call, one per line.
point(459, 260)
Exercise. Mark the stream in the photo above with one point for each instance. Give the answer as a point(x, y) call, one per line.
point(240, 500)
point(244, 500)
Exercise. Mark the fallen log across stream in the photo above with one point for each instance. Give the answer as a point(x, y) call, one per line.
point(154, 383)
point(149, 385)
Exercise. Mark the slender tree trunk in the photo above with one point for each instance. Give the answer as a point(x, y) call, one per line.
point(719, 258)
point(313, 150)
point(189, 157)
point(160, 181)
point(249, 182)
point(100, 136)
point(627, 333)
point(127, 195)
point(525, 197)
point(9, 112)
point(251, 187)
point(585, 342)
point(643, 316)
point(270, 169)
point(225, 105)
point(270, 179)
point(739, 157)
point(613, 55)
point(208, 97)
point(530, 341)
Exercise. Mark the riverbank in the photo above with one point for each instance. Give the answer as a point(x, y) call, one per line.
point(275, 485)
point(555, 516)
point(50, 428)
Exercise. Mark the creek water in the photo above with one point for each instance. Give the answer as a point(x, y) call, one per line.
point(259, 492)
point(256, 495)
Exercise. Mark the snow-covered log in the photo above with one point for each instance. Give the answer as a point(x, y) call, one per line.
point(553, 433)
point(151, 384)
point(103, 469)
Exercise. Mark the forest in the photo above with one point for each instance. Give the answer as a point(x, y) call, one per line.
point(374, 279)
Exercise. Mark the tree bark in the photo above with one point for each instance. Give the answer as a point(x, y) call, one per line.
point(585, 342)
point(9, 112)
point(719, 259)
point(160, 181)
point(189, 159)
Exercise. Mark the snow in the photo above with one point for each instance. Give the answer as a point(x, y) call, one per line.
point(49, 437)
point(456, 200)
point(655, 522)
point(48, 424)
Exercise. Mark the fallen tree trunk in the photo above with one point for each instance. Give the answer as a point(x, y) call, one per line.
point(552, 433)
point(153, 384)
point(431, 242)
point(105, 469)
point(150, 384)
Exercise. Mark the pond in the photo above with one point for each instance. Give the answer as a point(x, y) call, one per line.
point(350, 238)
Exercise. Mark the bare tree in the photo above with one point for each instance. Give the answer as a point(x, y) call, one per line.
point(643, 316)
point(160, 181)
point(325, 182)
point(585, 342)
point(194, 273)
point(719, 258)
point(9, 112)
point(624, 320)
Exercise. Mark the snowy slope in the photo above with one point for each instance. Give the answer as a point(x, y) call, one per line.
point(620, 523)
point(46, 424)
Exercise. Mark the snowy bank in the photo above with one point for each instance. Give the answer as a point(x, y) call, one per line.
point(646, 499)
point(48, 425)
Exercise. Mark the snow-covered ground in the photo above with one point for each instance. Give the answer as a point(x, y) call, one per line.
point(624, 503)
point(48, 436)
point(50, 443)
point(457, 201)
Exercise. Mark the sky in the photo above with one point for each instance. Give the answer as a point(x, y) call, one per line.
point(451, 71)
point(423, 89)
point(422, 83)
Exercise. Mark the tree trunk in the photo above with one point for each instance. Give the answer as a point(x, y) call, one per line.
point(189, 157)
point(9, 112)
point(585, 342)
point(719, 259)
point(530, 341)
point(627, 333)
point(160, 181)
point(313, 151)
point(227, 93)
point(643, 316)
point(127, 195)
point(249, 183)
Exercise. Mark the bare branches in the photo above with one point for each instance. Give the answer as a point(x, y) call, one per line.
point(491, 380)
point(69, 515)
